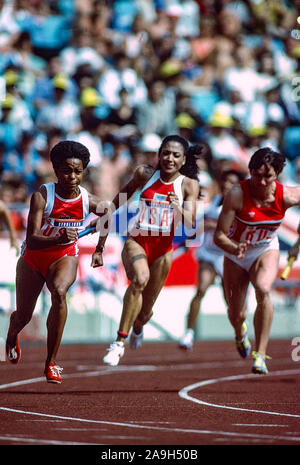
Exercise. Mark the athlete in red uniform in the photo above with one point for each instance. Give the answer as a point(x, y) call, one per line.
point(246, 231)
point(49, 253)
point(166, 195)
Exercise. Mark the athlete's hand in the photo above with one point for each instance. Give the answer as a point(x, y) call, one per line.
point(241, 249)
point(174, 200)
point(69, 235)
point(294, 251)
point(97, 259)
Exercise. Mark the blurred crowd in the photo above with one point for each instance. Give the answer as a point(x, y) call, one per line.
point(120, 75)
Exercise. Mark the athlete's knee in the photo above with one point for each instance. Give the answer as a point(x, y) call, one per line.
point(236, 315)
point(140, 280)
point(262, 290)
point(59, 292)
point(200, 293)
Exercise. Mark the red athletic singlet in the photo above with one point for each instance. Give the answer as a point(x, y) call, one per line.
point(257, 224)
point(154, 227)
point(58, 214)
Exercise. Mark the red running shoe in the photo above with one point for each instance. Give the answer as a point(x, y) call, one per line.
point(14, 353)
point(52, 373)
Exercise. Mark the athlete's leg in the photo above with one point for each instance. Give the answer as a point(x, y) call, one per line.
point(136, 266)
point(158, 274)
point(262, 274)
point(29, 284)
point(236, 282)
point(60, 276)
point(206, 277)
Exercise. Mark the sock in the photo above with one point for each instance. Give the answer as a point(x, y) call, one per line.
point(137, 334)
point(122, 334)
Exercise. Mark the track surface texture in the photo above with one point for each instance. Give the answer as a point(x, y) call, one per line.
point(158, 395)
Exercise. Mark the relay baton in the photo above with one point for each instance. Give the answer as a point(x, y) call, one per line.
point(287, 269)
point(84, 232)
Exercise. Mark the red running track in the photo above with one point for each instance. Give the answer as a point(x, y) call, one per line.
point(158, 395)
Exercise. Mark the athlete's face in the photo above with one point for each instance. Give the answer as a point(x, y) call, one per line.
point(69, 174)
point(263, 177)
point(230, 181)
point(171, 157)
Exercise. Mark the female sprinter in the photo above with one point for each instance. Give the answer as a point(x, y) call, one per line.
point(247, 232)
point(166, 195)
point(49, 253)
point(209, 256)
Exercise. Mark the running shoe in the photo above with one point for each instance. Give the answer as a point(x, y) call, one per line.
point(136, 340)
point(187, 340)
point(13, 353)
point(259, 363)
point(52, 373)
point(114, 353)
point(243, 346)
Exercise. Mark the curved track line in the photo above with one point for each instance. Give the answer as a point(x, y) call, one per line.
point(183, 393)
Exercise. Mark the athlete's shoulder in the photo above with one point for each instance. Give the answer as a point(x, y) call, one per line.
point(143, 173)
point(190, 187)
point(190, 183)
point(234, 198)
point(39, 198)
point(291, 196)
point(45, 189)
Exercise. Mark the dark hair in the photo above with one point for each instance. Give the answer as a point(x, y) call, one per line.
point(189, 169)
point(267, 157)
point(174, 138)
point(236, 173)
point(69, 149)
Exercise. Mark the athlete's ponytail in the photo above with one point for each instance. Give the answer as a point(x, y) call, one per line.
point(190, 168)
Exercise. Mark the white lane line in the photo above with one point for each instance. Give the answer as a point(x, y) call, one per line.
point(106, 370)
point(102, 371)
point(263, 425)
point(44, 441)
point(184, 393)
point(156, 428)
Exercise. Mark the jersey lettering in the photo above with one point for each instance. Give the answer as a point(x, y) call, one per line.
point(258, 235)
point(155, 216)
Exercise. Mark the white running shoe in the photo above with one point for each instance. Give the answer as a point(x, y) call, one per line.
point(136, 340)
point(187, 340)
point(114, 353)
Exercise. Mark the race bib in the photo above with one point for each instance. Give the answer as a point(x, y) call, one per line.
point(54, 227)
point(258, 235)
point(155, 215)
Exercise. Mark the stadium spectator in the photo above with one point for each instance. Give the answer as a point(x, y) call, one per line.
point(62, 112)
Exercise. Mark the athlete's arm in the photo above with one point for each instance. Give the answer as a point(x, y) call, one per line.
point(34, 239)
point(188, 210)
point(291, 197)
point(5, 216)
point(232, 204)
point(141, 175)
